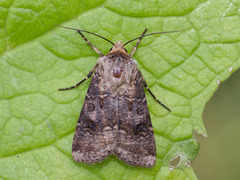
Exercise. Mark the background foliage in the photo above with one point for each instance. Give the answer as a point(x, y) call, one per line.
point(183, 69)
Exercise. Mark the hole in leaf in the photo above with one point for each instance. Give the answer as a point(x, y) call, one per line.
point(175, 162)
point(188, 163)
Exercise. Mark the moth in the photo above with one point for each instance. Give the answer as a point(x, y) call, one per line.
point(115, 117)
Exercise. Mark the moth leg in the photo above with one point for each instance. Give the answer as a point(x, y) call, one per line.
point(146, 86)
point(88, 76)
point(94, 47)
point(139, 40)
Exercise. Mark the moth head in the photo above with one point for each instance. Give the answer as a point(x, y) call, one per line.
point(118, 48)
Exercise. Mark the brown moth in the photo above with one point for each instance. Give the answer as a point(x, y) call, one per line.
point(115, 117)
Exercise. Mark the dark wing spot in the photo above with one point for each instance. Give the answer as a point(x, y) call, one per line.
point(141, 110)
point(141, 129)
point(130, 106)
point(91, 107)
point(127, 127)
point(101, 102)
point(88, 125)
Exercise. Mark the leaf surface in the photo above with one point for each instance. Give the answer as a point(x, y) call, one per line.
point(183, 70)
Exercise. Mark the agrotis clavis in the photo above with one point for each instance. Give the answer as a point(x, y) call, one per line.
point(115, 117)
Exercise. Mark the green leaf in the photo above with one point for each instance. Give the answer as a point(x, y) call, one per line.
point(183, 70)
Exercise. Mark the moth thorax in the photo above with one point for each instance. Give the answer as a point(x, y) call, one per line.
point(117, 73)
point(118, 45)
point(118, 66)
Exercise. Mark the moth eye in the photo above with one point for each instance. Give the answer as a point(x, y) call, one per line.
point(125, 49)
point(141, 129)
point(88, 125)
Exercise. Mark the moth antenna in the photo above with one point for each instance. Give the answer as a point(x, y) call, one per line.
point(139, 40)
point(151, 34)
point(80, 30)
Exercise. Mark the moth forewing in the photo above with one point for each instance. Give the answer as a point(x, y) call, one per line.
point(115, 117)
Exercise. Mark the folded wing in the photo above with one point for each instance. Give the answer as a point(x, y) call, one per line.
point(135, 139)
point(94, 138)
